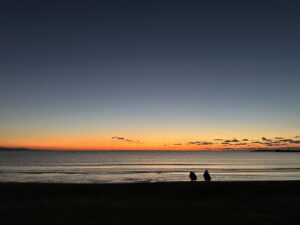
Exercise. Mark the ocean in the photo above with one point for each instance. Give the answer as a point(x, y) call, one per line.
point(145, 166)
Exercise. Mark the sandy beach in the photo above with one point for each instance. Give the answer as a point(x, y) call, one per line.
point(151, 203)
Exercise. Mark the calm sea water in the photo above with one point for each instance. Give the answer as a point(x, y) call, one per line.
point(145, 166)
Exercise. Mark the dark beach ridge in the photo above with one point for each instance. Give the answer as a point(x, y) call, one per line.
point(263, 202)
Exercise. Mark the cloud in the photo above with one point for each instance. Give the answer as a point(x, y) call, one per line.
point(125, 140)
point(231, 140)
point(279, 141)
point(199, 143)
point(241, 144)
point(266, 139)
point(286, 140)
point(291, 141)
point(118, 138)
point(274, 144)
point(269, 144)
point(194, 142)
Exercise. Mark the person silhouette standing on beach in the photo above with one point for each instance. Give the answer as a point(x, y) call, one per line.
point(206, 176)
point(193, 176)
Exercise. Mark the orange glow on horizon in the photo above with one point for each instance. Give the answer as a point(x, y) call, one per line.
point(147, 141)
point(133, 146)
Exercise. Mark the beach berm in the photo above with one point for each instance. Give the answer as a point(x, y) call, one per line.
point(242, 203)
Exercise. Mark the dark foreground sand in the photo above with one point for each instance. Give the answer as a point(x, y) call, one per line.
point(227, 203)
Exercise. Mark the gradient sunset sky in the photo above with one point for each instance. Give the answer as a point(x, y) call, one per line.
point(149, 74)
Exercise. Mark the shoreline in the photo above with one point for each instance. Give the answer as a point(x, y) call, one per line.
point(146, 182)
point(150, 182)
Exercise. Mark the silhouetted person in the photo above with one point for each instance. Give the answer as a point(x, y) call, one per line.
point(206, 176)
point(193, 176)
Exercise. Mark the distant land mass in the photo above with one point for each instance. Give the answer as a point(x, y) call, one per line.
point(15, 149)
point(276, 150)
point(255, 150)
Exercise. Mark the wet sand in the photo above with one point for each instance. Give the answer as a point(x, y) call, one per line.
point(228, 203)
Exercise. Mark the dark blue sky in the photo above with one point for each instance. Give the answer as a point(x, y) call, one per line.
point(132, 66)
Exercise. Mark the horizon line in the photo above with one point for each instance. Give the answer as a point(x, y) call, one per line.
point(70, 149)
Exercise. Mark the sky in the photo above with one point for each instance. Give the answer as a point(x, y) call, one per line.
point(107, 75)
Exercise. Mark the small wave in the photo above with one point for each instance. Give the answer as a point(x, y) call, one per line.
point(259, 170)
point(158, 171)
point(158, 164)
point(130, 164)
point(44, 172)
